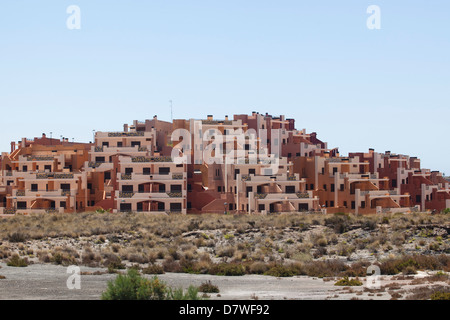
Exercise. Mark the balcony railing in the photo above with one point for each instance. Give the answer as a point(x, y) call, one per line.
point(217, 122)
point(94, 164)
point(125, 176)
point(151, 159)
point(126, 194)
point(177, 176)
point(98, 149)
point(65, 193)
point(174, 194)
point(302, 195)
point(291, 177)
point(40, 158)
point(20, 193)
point(246, 177)
point(9, 211)
point(54, 175)
point(260, 195)
point(126, 134)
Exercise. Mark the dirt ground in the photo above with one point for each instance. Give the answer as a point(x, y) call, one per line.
point(49, 282)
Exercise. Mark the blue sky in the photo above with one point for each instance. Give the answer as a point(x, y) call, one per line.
point(315, 61)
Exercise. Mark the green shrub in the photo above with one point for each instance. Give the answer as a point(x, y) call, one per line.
point(16, 261)
point(178, 294)
point(346, 282)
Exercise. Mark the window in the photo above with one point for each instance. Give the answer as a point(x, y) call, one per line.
point(66, 186)
point(107, 175)
point(332, 187)
point(135, 143)
point(325, 187)
point(311, 186)
point(175, 188)
point(345, 204)
point(335, 170)
point(363, 204)
point(105, 144)
point(119, 144)
point(125, 207)
point(418, 198)
point(289, 155)
point(62, 204)
point(21, 204)
point(303, 207)
point(25, 168)
point(164, 170)
point(219, 189)
point(342, 187)
point(290, 189)
point(249, 189)
point(128, 170)
point(175, 207)
point(99, 159)
point(236, 172)
point(332, 204)
point(48, 167)
point(34, 187)
point(261, 207)
point(126, 188)
point(251, 171)
point(353, 205)
point(146, 171)
point(394, 183)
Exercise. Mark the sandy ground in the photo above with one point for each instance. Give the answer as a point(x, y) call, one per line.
point(49, 282)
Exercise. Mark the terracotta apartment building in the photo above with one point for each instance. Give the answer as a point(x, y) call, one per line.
point(255, 164)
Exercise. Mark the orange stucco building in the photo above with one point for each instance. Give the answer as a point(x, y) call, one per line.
point(255, 164)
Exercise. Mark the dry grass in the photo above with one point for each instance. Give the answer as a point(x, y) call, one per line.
point(297, 244)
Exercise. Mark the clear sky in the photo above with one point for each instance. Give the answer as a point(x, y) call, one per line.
point(315, 61)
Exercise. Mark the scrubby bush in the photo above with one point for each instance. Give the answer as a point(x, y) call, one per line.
point(227, 269)
point(17, 237)
point(153, 269)
point(346, 282)
point(16, 261)
point(440, 296)
point(132, 286)
point(208, 287)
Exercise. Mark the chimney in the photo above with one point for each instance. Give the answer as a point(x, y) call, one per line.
point(125, 127)
point(210, 117)
point(226, 118)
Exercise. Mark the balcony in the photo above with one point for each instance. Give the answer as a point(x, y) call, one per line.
point(126, 134)
point(303, 195)
point(40, 158)
point(125, 176)
point(124, 194)
point(152, 159)
point(174, 194)
point(54, 175)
